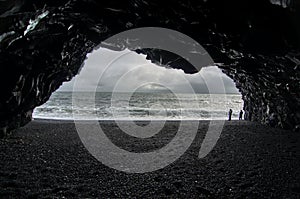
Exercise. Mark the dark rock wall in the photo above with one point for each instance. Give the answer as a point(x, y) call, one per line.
point(256, 42)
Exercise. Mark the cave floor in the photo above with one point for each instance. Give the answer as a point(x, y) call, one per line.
point(46, 159)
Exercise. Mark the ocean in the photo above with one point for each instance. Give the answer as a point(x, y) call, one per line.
point(139, 106)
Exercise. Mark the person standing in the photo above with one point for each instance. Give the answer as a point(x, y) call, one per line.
point(241, 115)
point(229, 114)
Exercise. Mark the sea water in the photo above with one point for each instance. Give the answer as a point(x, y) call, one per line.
point(139, 106)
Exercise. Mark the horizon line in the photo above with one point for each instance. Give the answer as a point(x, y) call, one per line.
point(81, 91)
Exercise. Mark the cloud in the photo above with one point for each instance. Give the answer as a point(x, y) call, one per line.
point(125, 71)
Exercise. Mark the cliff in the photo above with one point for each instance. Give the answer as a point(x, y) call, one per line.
point(256, 42)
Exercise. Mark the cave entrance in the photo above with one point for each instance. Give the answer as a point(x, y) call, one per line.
point(153, 92)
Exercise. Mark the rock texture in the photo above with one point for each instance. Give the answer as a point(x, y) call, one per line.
point(256, 42)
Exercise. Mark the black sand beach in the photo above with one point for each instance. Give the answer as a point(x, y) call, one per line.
point(46, 159)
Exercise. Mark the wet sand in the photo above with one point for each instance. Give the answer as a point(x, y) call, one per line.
point(46, 159)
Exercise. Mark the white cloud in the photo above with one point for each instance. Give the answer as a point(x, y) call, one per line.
point(104, 68)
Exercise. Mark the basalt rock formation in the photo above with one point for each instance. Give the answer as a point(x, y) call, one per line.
point(256, 42)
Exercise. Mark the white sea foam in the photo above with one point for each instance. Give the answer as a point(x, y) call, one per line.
point(142, 106)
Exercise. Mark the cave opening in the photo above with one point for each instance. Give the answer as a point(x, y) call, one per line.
point(44, 43)
point(122, 85)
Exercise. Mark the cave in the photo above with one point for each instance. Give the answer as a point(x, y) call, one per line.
point(255, 42)
point(156, 92)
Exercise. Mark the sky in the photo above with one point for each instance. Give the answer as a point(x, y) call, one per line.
point(125, 71)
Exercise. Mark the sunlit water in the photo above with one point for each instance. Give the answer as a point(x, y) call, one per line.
point(140, 106)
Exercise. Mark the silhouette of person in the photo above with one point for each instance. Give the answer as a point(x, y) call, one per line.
point(246, 115)
point(250, 116)
point(229, 114)
point(241, 115)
